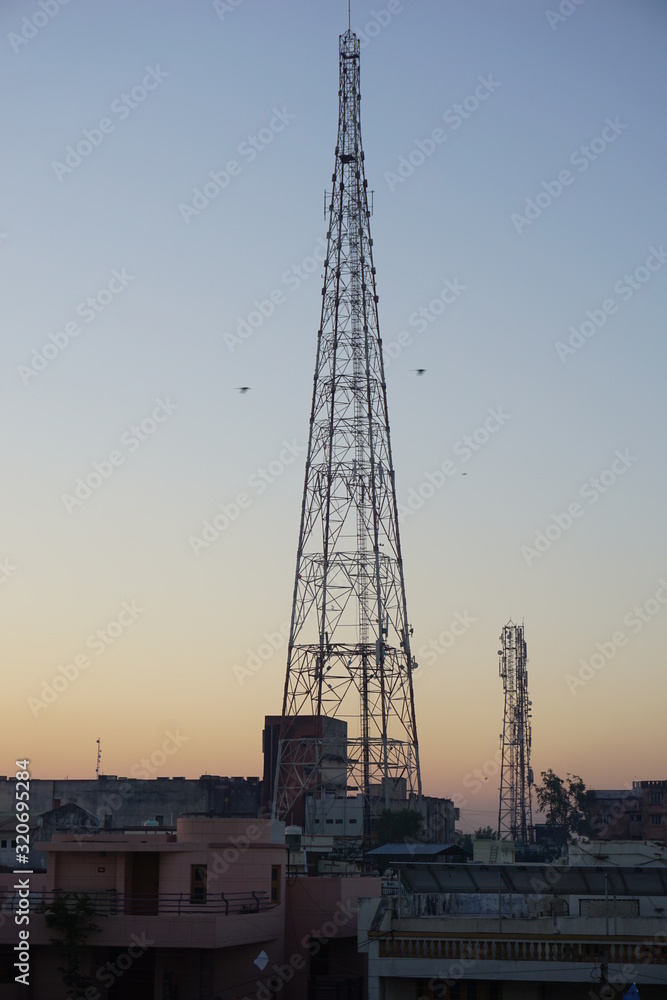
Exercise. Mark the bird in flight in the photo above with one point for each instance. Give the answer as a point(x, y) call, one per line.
point(420, 371)
point(243, 388)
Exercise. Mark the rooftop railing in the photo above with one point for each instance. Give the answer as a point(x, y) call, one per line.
point(110, 903)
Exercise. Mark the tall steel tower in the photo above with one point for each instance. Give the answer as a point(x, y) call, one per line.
point(515, 814)
point(349, 655)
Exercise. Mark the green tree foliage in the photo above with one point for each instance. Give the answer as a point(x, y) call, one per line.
point(464, 840)
point(397, 827)
point(71, 916)
point(485, 833)
point(565, 803)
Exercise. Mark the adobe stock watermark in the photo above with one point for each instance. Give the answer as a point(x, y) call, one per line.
point(248, 150)
point(565, 9)
point(454, 117)
point(130, 442)
point(224, 7)
point(255, 660)
point(221, 861)
point(145, 769)
point(605, 651)
point(258, 482)
point(464, 449)
point(591, 490)
point(312, 943)
point(379, 20)
point(581, 158)
point(98, 642)
point(421, 319)
point(122, 108)
point(440, 984)
point(459, 625)
point(625, 288)
point(32, 25)
point(473, 781)
point(87, 310)
point(649, 951)
point(110, 972)
point(264, 308)
point(7, 569)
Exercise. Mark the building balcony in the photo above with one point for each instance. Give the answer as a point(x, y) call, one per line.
point(168, 920)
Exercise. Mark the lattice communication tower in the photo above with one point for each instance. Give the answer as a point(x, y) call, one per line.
point(515, 814)
point(349, 655)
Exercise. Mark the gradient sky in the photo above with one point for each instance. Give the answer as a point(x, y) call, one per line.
point(220, 73)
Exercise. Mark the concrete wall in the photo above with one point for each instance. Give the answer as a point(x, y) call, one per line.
point(126, 801)
point(320, 923)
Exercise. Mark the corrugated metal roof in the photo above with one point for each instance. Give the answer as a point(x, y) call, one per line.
point(531, 879)
point(411, 850)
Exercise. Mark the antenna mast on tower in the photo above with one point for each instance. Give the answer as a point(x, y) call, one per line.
point(348, 718)
point(515, 814)
point(99, 756)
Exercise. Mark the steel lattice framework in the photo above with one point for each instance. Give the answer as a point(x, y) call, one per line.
point(515, 814)
point(349, 646)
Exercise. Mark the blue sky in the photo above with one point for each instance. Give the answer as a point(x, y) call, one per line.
point(581, 92)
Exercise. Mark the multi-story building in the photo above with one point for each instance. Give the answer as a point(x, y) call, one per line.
point(636, 813)
point(207, 911)
point(522, 931)
point(118, 801)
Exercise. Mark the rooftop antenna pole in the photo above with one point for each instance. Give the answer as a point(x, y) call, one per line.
point(99, 757)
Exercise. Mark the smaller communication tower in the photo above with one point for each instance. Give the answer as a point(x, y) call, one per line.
point(515, 813)
point(99, 757)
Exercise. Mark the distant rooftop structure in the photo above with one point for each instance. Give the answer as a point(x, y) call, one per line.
point(417, 850)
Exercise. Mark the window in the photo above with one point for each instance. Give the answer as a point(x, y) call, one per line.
point(339, 821)
point(655, 798)
point(353, 821)
point(3, 844)
point(329, 821)
point(608, 907)
point(275, 884)
point(656, 820)
point(197, 883)
point(159, 820)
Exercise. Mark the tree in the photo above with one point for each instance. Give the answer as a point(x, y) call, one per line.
point(396, 827)
point(71, 916)
point(464, 840)
point(566, 804)
point(485, 833)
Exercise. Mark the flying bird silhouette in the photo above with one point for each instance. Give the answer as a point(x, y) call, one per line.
point(243, 388)
point(420, 371)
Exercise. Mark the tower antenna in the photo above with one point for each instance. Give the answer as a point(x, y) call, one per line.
point(99, 756)
point(515, 812)
point(348, 717)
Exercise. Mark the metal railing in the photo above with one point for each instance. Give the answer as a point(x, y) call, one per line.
point(110, 903)
point(568, 950)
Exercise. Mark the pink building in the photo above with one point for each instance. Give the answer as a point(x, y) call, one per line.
point(203, 913)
